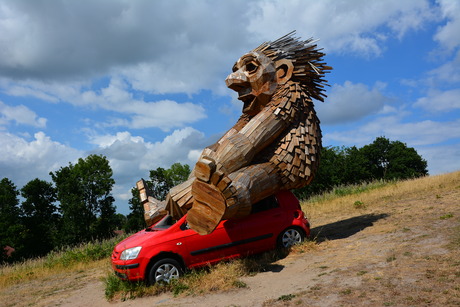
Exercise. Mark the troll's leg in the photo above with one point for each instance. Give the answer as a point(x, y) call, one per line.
point(231, 199)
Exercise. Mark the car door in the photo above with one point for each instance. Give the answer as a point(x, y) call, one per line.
point(210, 248)
point(257, 232)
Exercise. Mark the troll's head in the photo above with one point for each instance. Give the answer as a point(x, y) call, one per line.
point(257, 74)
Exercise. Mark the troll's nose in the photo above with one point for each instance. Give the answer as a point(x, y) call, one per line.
point(237, 81)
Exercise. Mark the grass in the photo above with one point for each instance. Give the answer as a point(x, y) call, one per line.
point(352, 189)
point(344, 199)
point(82, 257)
point(286, 298)
point(446, 216)
point(455, 240)
point(220, 277)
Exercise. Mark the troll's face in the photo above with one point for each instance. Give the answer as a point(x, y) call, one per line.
point(255, 78)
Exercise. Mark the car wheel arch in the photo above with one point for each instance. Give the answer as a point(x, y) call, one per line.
point(280, 235)
point(164, 255)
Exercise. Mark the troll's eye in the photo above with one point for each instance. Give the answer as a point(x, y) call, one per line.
point(251, 67)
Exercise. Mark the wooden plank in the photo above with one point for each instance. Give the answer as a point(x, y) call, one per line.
point(208, 208)
point(216, 177)
point(204, 169)
point(224, 183)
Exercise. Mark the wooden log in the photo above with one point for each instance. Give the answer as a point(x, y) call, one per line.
point(224, 183)
point(142, 187)
point(216, 177)
point(154, 211)
point(204, 169)
point(208, 208)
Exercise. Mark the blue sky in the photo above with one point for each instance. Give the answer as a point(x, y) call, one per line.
point(142, 82)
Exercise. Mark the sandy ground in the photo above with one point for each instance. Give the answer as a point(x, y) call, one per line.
point(400, 254)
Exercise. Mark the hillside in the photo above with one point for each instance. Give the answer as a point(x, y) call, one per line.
point(398, 245)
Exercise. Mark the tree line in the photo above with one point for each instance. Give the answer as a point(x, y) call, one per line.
point(78, 206)
point(381, 160)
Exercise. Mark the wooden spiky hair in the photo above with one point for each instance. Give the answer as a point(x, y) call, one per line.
point(309, 68)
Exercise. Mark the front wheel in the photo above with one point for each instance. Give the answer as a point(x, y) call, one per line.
point(164, 271)
point(290, 237)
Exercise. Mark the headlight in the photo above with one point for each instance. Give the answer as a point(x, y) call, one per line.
point(130, 253)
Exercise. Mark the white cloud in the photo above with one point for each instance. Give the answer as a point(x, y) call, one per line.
point(21, 115)
point(166, 46)
point(449, 35)
point(395, 128)
point(115, 97)
point(434, 141)
point(350, 102)
point(26, 91)
point(131, 157)
point(440, 101)
point(343, 26)
point(174, 148)
point(441, 159)
point(448, 73)
point(164, 114)
point(88, 39)
point(22, 160)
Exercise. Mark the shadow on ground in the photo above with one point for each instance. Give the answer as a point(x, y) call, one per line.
point(333, 231)
point(345, 228)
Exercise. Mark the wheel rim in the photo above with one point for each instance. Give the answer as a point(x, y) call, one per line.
point(291, 237)
point(166, 272)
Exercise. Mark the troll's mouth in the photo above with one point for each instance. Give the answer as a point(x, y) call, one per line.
point(248, 100)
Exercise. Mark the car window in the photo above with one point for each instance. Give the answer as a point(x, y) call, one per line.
point(265, 204)
point(165, 223)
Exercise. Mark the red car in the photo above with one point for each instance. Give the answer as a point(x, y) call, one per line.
point(164, 250)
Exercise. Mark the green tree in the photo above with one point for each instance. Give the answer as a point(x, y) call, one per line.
point(12, 232)
point(393, 160)
point(355, 166)
point(162, 180)
point(178, 173)
point(86, 203)
point(120, 221)
point(135, 219)
point(383, 159)
point(40, 217)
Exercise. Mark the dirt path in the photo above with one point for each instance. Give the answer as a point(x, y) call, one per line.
point(400, 254)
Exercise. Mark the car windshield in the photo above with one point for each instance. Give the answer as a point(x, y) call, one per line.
point(165, 223)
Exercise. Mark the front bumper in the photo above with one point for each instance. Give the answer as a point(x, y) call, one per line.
point(127, 266)
point(127, 269)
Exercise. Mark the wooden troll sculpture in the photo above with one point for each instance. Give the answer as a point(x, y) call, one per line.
point(275, 144)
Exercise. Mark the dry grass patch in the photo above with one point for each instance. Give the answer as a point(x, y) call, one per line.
point(220, 277)
point(36, 269)
point(366, 197)
point(84, 257)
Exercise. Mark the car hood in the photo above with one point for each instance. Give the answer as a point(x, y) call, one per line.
point(139, 239)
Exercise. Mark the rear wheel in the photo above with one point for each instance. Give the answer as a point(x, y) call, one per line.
point(290, 237)
point(164, 270)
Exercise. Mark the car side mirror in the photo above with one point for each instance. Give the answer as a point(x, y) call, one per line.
point(184, 226)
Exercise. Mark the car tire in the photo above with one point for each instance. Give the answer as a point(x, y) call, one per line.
point(290, 236)
point(164, 270)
